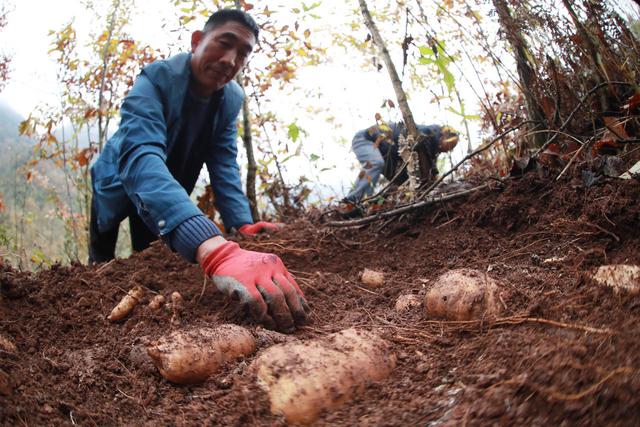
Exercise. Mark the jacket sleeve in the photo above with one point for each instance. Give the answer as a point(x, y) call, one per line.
point(224, 173)
point(159, 199)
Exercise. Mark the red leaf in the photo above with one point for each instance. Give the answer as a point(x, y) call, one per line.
point(606, 146)
point(632, 102)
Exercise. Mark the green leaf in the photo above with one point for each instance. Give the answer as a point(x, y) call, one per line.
point(448, 78)
point(287, 158)
point(426, 51)
point(314, 157)
point(294, 132)
point(312, 6)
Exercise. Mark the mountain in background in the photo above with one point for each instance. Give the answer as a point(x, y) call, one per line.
point(16, 149)
point(9, 122)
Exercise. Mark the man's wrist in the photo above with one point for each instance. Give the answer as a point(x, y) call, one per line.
point(207, 247)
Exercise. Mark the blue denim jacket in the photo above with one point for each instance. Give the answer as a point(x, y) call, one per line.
point(131, 172)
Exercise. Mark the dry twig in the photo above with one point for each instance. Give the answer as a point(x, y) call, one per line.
point(516, 320)
point(406, 208)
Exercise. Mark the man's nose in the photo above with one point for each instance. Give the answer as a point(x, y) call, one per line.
point(230, 57)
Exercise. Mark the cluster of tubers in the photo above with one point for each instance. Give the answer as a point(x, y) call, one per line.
point(304, 378)
point(136, 295)
point(301, 378)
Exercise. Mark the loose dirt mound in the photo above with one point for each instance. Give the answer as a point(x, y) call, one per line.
point(564, 351)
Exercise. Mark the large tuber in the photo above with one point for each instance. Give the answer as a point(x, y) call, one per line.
point(189, 357)
point(304, 378)
point(463, 294)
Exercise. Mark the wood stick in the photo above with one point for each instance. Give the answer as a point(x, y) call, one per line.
point(406, 208)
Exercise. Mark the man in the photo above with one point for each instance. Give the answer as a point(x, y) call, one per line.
point(181, 113)
point(377, 150)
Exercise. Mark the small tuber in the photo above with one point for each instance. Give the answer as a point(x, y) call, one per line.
point(304, 378)
point(372, 278)
point(7, 345)
point(127, 304)
point(189, 357)
point(463, 294)
point(156, 302)
point(620, 277)
point(177, 305)
point(406, 302)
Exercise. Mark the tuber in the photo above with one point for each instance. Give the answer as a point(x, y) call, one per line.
point(127, 304)
point(463, 294)
point(372, 278)
point(406, 302)
point(7, 345)
point(304, 378)
point(620, 277)
point(156, 302)
point(177, 305)
point(189, 357)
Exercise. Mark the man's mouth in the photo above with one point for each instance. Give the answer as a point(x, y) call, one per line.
point(218, 74)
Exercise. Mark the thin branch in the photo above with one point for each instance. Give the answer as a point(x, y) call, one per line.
point(406, 208)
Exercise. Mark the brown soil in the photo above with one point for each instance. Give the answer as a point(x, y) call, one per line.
point(74, 366)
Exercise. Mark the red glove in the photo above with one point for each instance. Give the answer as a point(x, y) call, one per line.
point(260, 227)
point(262, 284)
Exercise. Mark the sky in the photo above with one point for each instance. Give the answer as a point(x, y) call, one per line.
point(351, 94)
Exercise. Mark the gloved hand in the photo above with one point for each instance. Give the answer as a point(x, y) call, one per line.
point(259, 227)
point(261, 282)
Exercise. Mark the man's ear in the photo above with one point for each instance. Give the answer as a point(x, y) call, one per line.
point(196, 38)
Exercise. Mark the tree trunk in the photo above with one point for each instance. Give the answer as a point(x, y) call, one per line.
point(526, 72)
point(425, 162)
point(393, 74)
point(252, 167)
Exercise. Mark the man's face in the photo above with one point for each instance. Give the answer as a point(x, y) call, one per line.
point(219, 55)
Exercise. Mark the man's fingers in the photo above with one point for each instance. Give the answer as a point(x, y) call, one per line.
point(295, 300)
point(249, 297)
point(299, 291)
point(293, 282)
point(278, 308)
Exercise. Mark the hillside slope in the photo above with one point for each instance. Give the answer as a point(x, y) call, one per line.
point(575, 361)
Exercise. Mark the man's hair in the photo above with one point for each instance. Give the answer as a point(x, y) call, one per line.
point(223, 16)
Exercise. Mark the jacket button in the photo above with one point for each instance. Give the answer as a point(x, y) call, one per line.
point(161, 223)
